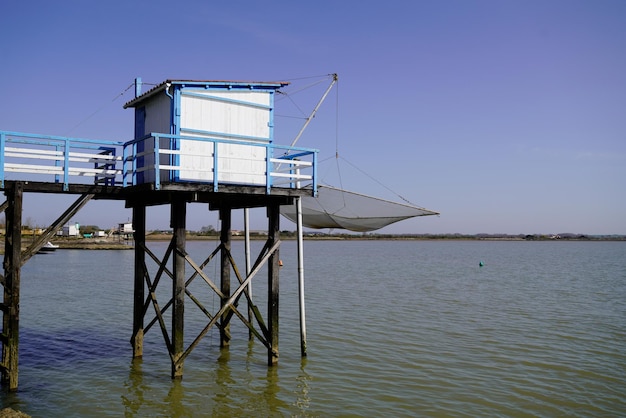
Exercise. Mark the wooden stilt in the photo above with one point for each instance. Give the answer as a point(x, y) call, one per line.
point(225, 237)
point(139, 225)
point(273, 267)
point(145, 287)
point(178, 221)
point(11, 304)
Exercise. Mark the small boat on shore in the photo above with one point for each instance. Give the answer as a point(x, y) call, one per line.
point(48, 247)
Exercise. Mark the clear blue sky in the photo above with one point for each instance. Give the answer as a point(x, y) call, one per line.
point(505, 116)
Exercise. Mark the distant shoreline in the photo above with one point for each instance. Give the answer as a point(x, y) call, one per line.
point(117, 243)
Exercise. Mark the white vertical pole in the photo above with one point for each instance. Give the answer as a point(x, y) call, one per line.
point(246, 222)
point(301, 277)
point(246, 226)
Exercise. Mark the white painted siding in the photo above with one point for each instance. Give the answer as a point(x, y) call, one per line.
point(241, 164)
point(209, 114)
point(158, 110)
point(237, 163)
point(69, 231)
point(125, 228)
point(157, 120)
point(197, 159)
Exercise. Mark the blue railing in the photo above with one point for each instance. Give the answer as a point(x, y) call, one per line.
point(159, 157)
point(155, 158)
point(58, 159)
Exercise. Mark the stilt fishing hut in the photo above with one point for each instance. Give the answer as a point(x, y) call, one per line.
point(218, 149)
point(208, 142)
point(205, 142)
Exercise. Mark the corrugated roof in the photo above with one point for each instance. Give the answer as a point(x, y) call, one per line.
point(204, 83)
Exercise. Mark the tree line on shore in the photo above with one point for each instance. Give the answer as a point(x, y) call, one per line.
point(210, 231)
point(429, 236)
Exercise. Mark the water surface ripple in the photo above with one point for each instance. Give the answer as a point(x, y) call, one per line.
point(395, 328)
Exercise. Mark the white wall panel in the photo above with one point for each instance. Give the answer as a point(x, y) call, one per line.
point(237, 163)
point(208, 114)
point(157, 120)
point(196, 160)
point(158, 114)
point(241, 164)
point(236, 116)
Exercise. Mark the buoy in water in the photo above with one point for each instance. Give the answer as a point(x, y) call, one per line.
point(280, 263)
point(480, 264)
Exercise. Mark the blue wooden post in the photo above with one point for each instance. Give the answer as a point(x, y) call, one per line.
point(157, 168)
point(138, 86)
point(215, 170)
point(66, 165)
point(3, 139)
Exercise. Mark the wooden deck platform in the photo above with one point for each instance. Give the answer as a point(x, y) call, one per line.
point(50, 172)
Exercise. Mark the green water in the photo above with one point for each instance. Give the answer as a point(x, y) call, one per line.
point(395, 328)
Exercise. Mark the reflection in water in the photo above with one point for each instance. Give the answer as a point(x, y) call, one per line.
point(303, 400)
point(224, 382)
point(233, 385)
point(175, 400)
point(134, 386)
point(272, 401)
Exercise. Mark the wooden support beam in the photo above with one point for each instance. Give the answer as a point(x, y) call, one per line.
point(178, 223)
point(225, 238)
point(198, 271)
point(144, 287)
point(152, 299)
point(268, 251)
point(273, 266)
point(56, 225)
point(103, 192)
point(139, 225)
point(12, 270)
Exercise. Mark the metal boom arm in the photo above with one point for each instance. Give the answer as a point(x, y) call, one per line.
point(312, 115)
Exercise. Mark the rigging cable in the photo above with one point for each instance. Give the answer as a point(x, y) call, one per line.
point(338, 156)
point(289, 95)
point(105, 105)
point(100, 108)
point(380, 183)
point(337, 143)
